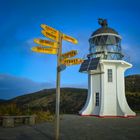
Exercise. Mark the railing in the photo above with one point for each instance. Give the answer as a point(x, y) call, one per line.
point(126, 57)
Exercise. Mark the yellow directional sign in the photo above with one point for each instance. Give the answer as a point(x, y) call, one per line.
point(70, 39)
point(50, 35)
point(69, 54)
point(46, 43)
point(74, 61)
point(50, 29)
point(44, 50)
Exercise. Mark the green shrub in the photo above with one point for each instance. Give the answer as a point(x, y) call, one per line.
point(9, 109)
point(43, 116)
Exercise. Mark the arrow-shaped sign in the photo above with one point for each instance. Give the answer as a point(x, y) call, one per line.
point(70, 39)
point(46, 43)
point(50, 29)
point(44, 50)
point(50, 35)
point(69, 54)
point(74, 61)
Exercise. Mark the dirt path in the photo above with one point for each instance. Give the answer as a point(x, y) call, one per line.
point(75, 127)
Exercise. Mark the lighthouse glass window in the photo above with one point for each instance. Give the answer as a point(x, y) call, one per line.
point(97, 99)
point(109, 75)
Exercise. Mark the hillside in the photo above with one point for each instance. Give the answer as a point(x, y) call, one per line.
point(132, 83)
point(1, 100)
point(72, 99)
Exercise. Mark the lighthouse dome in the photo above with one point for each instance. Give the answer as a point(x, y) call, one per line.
point(104, 30)
point(105, 42)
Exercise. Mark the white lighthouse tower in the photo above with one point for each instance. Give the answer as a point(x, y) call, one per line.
point(105, 67)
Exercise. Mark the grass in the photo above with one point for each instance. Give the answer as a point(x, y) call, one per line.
point(137, 111)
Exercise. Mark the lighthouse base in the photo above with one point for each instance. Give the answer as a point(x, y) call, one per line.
point(106, 92)
point(109, 116)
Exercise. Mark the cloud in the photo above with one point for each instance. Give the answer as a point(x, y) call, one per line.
point(132, 52)
point(11, 86)
point(80, 85)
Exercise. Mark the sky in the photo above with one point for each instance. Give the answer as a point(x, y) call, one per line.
point(20, 24)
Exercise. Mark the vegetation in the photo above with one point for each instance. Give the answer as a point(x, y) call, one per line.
point(72, 99)
point(132, 83)
point(9, 109)
point(133, 100)
point(132, 86)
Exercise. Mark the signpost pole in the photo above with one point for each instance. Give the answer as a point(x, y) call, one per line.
point(57, 110)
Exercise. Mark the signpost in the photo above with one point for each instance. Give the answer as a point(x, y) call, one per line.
point(50, 29)
point(69, 54)
point(50, 35)
point(62, 67)
point(70, 39)
point(46, 43)
point(62, 61)
point(74, 61)
point(44, 50)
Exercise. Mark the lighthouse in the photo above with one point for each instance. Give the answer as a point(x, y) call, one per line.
point(105, 68)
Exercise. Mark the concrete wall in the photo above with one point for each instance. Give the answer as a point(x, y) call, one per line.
point(109, 91)
point(111, 94)
point(96, 88)
point(115, 103)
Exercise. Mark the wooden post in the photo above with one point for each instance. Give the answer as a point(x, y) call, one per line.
point(57, 109)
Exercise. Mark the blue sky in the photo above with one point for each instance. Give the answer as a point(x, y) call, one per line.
point(20, 24)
